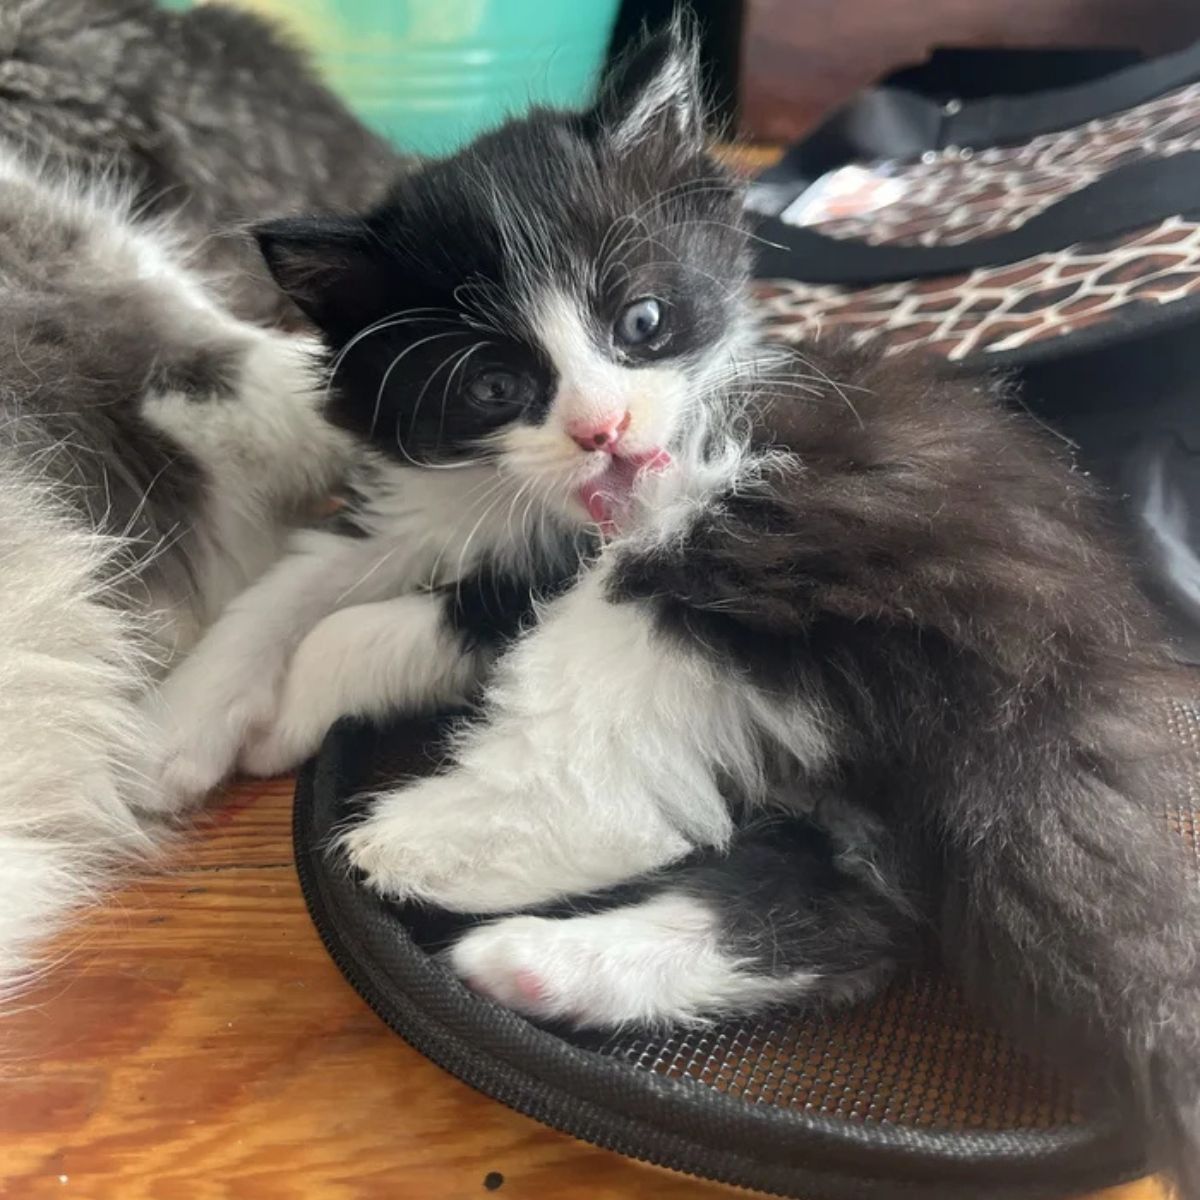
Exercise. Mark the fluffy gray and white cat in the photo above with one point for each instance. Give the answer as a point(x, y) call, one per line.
point(154, 444)
point(704, 583)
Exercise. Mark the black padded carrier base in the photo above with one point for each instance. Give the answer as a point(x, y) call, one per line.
point(910, 1094)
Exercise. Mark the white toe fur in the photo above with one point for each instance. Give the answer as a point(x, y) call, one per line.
point(660, 961)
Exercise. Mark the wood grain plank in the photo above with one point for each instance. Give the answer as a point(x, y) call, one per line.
point(194, 1042)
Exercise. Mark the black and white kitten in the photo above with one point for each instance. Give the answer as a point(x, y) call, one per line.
point(827, 585)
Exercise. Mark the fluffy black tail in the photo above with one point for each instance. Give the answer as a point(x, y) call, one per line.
point(1072, 908)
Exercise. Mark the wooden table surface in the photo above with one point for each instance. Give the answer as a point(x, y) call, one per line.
point(192, 1041)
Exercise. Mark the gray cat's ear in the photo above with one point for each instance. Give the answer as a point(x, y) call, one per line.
point(329, 266)
point(654, 90)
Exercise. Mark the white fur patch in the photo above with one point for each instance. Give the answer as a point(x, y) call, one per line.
point(593, 384)
point(660, 961)
point(369, 660)
point(598, 761)
point(72, 757)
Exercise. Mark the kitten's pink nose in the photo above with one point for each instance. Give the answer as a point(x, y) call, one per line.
point(602, 434)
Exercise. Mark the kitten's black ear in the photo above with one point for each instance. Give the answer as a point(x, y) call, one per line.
point(330, 266)
point(655, 90)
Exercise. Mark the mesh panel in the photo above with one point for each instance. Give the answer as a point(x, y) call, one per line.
point(914, 1055)
point(1184, 723)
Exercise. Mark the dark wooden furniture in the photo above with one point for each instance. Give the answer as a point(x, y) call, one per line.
point(800, 58)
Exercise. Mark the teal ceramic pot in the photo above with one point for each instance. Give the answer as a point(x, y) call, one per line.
point(431, 74)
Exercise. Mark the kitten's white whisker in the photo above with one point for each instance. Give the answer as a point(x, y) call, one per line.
point(737, 229)
point(459, 364)
point(458, 570)
point(425, 388)
point(525, 515)
point(488, 499)
point(433, 337)
point(403, 316)
point(837, 387)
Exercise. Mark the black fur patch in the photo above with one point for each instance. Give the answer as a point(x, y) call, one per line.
point(491, 606)
point(205, 373)
point(790, 899)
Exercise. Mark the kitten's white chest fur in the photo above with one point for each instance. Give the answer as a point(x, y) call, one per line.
point(435, 524)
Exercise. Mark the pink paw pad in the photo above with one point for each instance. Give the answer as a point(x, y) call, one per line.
point(530, 986)
point(524, 987)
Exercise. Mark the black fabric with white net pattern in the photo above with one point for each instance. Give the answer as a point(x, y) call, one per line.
point(909, 1094)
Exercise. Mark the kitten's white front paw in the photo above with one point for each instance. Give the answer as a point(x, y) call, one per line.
point(468, 843)
point(281, 749)
point(200, 732)
point(417, 844)
point(311, 698)
point(452, 842)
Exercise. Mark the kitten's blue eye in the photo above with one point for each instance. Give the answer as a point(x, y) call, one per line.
point(495, 387)
point(640, 321)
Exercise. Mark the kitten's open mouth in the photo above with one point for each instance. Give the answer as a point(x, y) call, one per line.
point(607, 496)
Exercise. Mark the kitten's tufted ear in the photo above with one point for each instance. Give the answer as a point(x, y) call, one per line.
point(654, 90)
point(330, 266)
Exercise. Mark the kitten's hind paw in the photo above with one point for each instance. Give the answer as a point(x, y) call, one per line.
point(660, 961)
point(508, 962)
point(605, 969)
